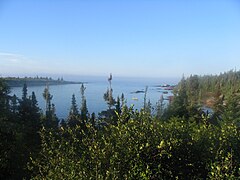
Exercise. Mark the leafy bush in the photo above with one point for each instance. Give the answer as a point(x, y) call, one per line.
point(147, 149)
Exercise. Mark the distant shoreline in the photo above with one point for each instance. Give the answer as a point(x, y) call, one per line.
point(19, 82)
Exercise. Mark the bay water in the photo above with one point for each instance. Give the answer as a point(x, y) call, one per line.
point(95, 89)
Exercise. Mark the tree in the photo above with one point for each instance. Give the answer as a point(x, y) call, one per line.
point(25, 105)
point(84, 110)
point(35, 115)
point(74, 108)
point(109, 115)
point(73, 118)
point(29, 121)
point(179, 106)
point(118, 106)
point(145, 99)
point(8, 138)
point(48, 97)
point(14, 104)
point(93, 119)
point(231, 110)
point(108, 96)
point(24, 94)
point(123, 101)
point(160, 108)
point(51, 120)
point(193, 89)
point(34, 104)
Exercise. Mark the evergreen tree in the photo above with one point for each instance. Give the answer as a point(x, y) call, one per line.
point(48, 97)
point(193, 89)
point(8, 137)
point(145, 99)
point(35, 114)
point(63, 123)
point(74, 108)
point(34, 103)
point(14, 104)
point(50, 120)
point(123, 101)
point(160, 108)
point(84, 110)
point(29, 119)
point(109, 115)
point(24, 94)
point(108, 96)
point(54, 118)
point(231, 110)
point(179, 106)
point(73, 118)
point(25, 105)
point(93, 119)
point(118, 106)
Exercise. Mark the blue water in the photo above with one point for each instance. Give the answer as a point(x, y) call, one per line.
point(95, 89)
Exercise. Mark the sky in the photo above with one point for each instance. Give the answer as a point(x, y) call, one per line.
point(129, 38)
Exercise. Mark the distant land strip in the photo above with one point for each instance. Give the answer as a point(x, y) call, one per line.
point(36, 81)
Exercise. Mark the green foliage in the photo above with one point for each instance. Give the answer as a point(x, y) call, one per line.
point(50, 120)
point(73, 118)
point(7, 134)
point(19, 127)
point(193, 92)
point(74, 108)
point(123, 143)
point(219, 93)
point(160, 108)
point(226, 164)
point(154, 149)
point(110, 115)
point(108, 97)
point(4, 98)
point(84, 111)
point(179, 107)
point(231, 110)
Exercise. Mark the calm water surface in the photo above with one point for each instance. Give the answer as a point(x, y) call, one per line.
point(62, 94)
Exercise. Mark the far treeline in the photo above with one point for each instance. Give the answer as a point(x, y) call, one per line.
point(196, 137)
point(35, 81)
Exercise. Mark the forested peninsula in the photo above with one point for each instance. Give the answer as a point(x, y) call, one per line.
point(36, 81)
point(180, 141)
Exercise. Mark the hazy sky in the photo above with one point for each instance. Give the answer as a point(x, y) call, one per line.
point(145, 38)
